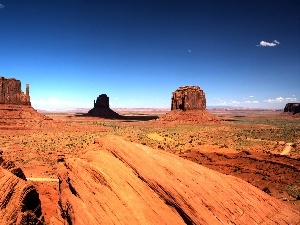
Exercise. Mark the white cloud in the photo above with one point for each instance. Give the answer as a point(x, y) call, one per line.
point(268, 44)
point(251, 102)
point(1, 6)
point(281, 100)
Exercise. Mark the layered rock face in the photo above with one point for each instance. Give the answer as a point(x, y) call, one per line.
point(11, 93)
point(19, 200)
point(120, 182)
point(101, 108)
point(188, 105)
point(15, 107)
point(188, 98)
point(292, 107)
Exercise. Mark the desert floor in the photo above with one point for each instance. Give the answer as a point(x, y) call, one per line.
point(261, 147)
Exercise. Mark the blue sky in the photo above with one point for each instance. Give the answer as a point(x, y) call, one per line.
point(243, 53)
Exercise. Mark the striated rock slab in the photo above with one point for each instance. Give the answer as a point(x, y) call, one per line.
point(19, 200)
point(188, 98)
point(120, 182)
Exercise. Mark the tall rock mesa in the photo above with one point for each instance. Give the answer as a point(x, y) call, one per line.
point(102, 101)
point(292, 107)
point(188, 98)
point(11, 93)
point(101, 108)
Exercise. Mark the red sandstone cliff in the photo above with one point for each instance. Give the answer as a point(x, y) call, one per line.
point(11, 93)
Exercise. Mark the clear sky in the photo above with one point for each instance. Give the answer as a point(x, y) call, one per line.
point(242, 53)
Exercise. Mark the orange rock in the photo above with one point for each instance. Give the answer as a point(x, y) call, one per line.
point(126, 183)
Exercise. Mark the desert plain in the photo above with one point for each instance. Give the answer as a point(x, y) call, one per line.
point(262, 147)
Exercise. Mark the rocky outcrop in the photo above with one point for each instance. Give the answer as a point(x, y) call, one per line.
point(292, 108)
point(101, 108)
point(120, 182)
point(189, 117)
point(19, 200)
point(22, 117)
point(15, 107)
point(189, 106)
point(188, 98)
point(11, 93)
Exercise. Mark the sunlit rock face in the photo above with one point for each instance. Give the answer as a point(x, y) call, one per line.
point(188, 98)
point(11, 93)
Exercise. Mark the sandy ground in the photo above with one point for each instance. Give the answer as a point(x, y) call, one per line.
point(254, 146)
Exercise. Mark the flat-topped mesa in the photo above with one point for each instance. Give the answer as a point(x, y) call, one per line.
point(11, 93)
point(292, 107)
point(188, 98)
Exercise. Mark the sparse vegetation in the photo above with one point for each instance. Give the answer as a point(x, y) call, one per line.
point(293, 191)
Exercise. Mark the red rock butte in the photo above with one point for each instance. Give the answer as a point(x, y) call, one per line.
point(101, 108)
point(293, 108)
point(188, 98)
point(15, 107)
point(11, 93)
point(188, 105)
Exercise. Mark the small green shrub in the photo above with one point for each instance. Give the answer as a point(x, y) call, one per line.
point(293, 191)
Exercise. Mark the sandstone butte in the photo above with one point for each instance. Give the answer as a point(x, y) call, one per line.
point(293, 108)
point(101, 109)
point(16, 111)
point(120, 182)
point(188, 105)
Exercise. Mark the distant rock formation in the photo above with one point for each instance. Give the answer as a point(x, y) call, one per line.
point(101, 108)
point(188, 105)
point(19, 200)
point(188, 98)
point(120, 182)
point(15, 107)
point(11, 93)
point(292, 107)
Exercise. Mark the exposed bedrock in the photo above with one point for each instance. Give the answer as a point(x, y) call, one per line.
point(11, 93)
point(19, 200)
point(188, 98)
point(120, 182)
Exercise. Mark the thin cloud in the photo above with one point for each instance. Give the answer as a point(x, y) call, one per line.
point(1, 6)
point(268, 44)
point(281, 100)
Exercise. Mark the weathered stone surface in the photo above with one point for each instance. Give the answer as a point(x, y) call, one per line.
point(19, 200)
point(120, 182)
point(189, 117)
point(14, 116)
point(11, 93)
point(292, 107)
point(188, 98)
point(101, 108)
